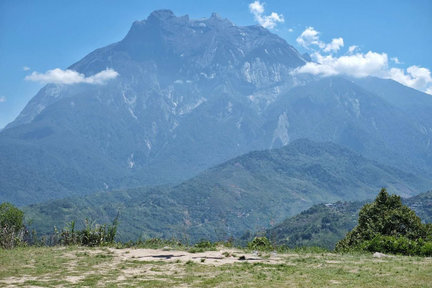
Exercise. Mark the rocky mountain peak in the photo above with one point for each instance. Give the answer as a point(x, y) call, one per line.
point(162, 14)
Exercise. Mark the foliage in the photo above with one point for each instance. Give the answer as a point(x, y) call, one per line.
point(91, 235)
point(250, 192)
point(260, 244)
point(386, 225)
point(397, 245)
point(11, 225)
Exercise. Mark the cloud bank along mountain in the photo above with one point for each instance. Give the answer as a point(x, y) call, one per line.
point(356, 63)
point(184, 95)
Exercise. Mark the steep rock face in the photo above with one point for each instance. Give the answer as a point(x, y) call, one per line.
point(191, 94)
point(338, 110)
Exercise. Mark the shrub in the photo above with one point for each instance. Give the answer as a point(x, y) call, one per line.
point(426, 249)
point(11, 226)
point(91, 235)
point(261, 244)
point(398, 245)
point(204, 244)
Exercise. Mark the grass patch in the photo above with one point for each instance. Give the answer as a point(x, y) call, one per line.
point(78, 266)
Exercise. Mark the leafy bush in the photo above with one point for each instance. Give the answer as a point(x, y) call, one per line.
point(398, 245)
point(261, 244)
point(91, 235)
point(11, 226)
point(205, 244)
point(388, 226)
point(426, 249)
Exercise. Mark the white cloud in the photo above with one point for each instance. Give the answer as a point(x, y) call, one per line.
point(269, 21)
point(357, 64)
point(335, 45)
point(2, 99)
point(59, 76)
point(414, 76)
point(256, 8)
point(310, 38)
point(353, 48)
point(26, 68)
point(395, 60)
point(290, 30)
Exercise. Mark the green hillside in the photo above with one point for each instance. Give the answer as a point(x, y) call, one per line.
point(248, 193)
point(422, 205)
point(325, 224)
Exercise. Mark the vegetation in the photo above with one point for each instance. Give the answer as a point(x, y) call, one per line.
point(323, 225)
point(248, 193)
point(260, 244)
point(203, 245)
point(11, 226)
point(91, 235)
point(388, 226)
point(106, 267)
point(385, 225)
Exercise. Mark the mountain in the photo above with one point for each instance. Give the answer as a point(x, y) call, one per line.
point(324, 225)
point(422, 205)
point(248, 193)
point(176, 108)
point(190, 95)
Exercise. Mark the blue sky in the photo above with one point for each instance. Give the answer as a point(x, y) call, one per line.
point(37, 36)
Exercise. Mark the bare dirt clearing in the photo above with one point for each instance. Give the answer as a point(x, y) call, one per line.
point(218, 257)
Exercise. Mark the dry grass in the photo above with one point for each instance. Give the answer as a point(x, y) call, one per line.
point(108, 267)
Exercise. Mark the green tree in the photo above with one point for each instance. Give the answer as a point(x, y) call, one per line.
point(386, 224)
point(11, 225)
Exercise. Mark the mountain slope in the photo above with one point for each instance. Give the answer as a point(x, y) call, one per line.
point(250, 192)
point(338, 110)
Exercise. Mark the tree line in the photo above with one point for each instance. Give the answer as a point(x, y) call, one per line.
point(385, 225)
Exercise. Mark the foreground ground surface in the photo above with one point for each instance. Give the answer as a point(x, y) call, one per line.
point(110, 267)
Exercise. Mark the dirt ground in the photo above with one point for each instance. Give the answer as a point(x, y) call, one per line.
point(218, 257)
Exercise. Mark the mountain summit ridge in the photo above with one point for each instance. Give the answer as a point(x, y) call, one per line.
point(160, 45)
